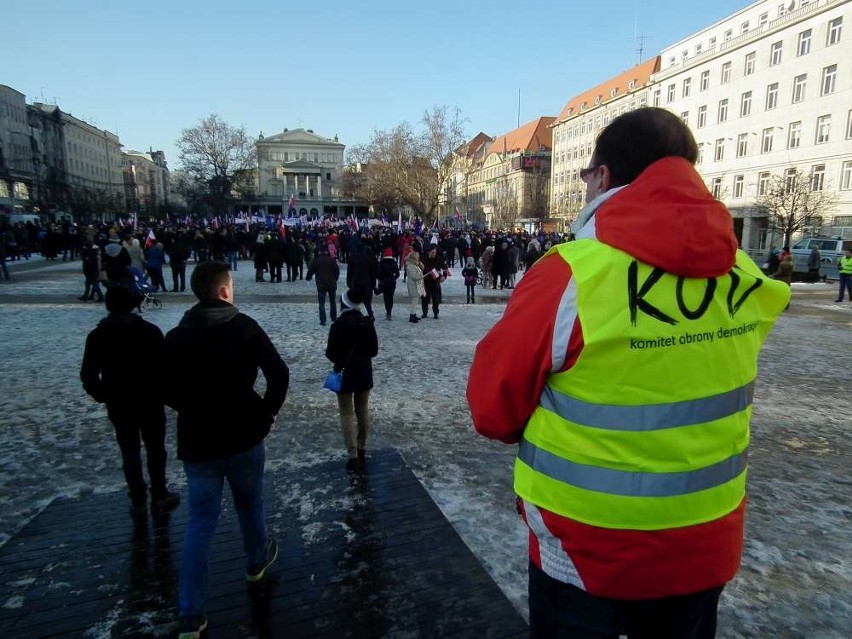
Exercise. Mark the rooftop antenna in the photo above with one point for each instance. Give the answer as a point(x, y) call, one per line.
point(640, 50)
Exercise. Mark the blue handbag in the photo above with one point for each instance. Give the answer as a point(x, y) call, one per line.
point(333, 381)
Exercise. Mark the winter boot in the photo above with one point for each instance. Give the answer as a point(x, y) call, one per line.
point(413, 319)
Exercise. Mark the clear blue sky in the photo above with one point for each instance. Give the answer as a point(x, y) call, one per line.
point(149, 69)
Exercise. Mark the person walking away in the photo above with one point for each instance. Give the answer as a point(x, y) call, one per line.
point(91, 258)
point(814, 263)
point(326, 271)
point(260, 264)
point(137, 255)
point(469, 273)
point(154, 264)
point(352, 345)
point(434, 272)
point(116, 262)
point(361, 272)
point(631, 466)
point(220, 435)
point(179, 252)
point(386, 276)
point(232, 248)
point(784, 273)
point(112, 377)
point(844, 267)
point(275, 257)
point(414, 281)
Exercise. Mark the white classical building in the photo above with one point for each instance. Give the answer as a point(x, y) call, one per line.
point(577, 126)
point(300, 164)
point(765, 91)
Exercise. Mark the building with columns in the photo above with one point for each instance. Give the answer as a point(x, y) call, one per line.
point(768, 90)
point(300, 164)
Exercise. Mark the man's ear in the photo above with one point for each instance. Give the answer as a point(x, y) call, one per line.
point(606, 178)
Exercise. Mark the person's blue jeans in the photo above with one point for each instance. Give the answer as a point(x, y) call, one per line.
point(205, 481)
point(332, 302)
point(845, 287)
point(4, 267)
point(232, 260)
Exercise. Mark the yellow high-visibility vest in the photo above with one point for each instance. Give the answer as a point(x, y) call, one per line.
point(649, 428)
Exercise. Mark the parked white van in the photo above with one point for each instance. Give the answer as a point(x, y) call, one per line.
point(23, 218)
point(830, 250)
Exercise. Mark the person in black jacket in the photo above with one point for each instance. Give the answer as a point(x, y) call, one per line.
point(386, 276)
point(113, 378)
point(434, 272)
point(91, 257)
point(179, 252)
point(221, 427)
point(327, 272)
point(352, 345)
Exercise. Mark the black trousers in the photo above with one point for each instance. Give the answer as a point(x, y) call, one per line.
point(433, 296)
point(131, 430)
point(179, 276)
point(561, 610)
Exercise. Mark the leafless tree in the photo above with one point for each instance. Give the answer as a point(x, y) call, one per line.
point(219, 155)
point(795, 202)
point(408, 166)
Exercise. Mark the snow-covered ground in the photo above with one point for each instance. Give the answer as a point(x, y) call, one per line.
point(796, 579)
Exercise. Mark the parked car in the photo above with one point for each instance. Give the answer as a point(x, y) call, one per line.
point(830, 250)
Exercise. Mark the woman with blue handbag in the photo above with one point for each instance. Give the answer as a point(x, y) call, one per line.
point(352, 345)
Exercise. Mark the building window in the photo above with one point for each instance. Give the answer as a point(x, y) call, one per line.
point(829, 75)
point(823, 129)
point(719, 150)
point(775, 54)
point(672, 61)
point(789, 180)
point(705, 81)
point(744, 28)
point(670, 93)
point(763, 19)
point(766, 140)
point(742, 145)
point(804, 45)
point(738, 185)
point(849, 125)
point(726, 73)
point(702, 116)
point(846, 176)
point(834, 27)
point(697, 48)
point(722, 112)
point(794, 135)
point(799, 83)
point(717, 187)
point(684, 55)
point(687, 85)
point(728, 35)
point(772, 96)
point(700, 155)
point(745, 104)
point(763, 183)
point(685, 117)
point(749, 64)
point(817, 177)
point(712, 44)
point(657, 98)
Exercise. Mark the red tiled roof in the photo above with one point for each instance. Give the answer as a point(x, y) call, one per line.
point(530, 137)
point(641, 73)
point(469, 148)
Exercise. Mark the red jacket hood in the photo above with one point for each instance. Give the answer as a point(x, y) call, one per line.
point(666, 217)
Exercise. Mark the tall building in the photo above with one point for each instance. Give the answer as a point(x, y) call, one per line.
point(576, 127)
point(456, 193)
point(146, 181)
point(17, 172)
point(509, 179)
point(768, 91)
point(299, 164)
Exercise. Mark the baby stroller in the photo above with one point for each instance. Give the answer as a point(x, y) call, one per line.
point(144, 293)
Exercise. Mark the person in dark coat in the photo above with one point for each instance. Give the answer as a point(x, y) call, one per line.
point(221, 427)
point(179, 252)
point(361, 272)
point(352, 345)
point(386, 276)
point(91, 257)
point(113, 377)
point(274, 256)
point(434, 272)
point(116, 262)
point(327, 272)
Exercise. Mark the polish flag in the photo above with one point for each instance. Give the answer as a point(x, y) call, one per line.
point(149, 241)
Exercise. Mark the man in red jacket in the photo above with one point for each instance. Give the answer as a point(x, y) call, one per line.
point(629, 395)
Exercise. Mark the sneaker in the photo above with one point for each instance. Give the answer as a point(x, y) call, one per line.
point(166, 503)
point(192, 627)
point(256, 573)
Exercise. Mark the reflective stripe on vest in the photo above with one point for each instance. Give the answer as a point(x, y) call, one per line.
point(649, 428)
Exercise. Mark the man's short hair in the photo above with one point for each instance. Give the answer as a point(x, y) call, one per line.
point(119, 300)
point(207, 278)
point(635, 140)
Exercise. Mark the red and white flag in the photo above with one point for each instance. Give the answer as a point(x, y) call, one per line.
point(149, 241)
